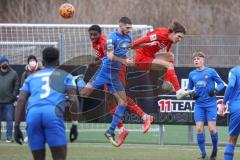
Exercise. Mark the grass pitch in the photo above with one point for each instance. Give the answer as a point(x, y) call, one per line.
point(104, 151)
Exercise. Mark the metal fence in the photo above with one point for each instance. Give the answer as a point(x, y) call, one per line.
point(221, 51)
point(17, 41)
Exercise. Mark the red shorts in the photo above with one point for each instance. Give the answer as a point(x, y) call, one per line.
point(142, 61)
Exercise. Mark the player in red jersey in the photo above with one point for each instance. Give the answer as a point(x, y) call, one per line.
point(153, 51)
point(99, 44)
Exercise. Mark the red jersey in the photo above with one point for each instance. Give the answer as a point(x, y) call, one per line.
point(160, 35)
point(100, 46)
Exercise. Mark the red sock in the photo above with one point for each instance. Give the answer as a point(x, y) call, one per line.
point(120, 124)
point(132, 106)
point(171, 76)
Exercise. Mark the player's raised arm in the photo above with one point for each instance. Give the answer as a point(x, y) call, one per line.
point(144, 41)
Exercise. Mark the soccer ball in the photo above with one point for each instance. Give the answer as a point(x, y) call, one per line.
point(66, 10)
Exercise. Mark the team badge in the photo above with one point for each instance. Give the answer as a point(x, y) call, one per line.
point(206, 76)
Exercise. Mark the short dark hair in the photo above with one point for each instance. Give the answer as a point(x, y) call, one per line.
point(125, 20)
point(96, 28)
point(50, 55)
point(31, 57)
point(176, 27)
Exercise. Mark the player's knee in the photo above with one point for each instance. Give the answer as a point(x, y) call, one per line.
point(199, 129)
point(233, 140)
point(212, 130)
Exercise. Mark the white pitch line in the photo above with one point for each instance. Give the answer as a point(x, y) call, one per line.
point(150, 146)
point(135, 146)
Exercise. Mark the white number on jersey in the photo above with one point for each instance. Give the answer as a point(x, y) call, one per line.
point(45, 87)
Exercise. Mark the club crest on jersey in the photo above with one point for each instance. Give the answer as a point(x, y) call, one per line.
point(153, 37)
point(206, 76)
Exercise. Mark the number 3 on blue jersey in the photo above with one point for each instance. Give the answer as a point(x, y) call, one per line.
point(45, 88)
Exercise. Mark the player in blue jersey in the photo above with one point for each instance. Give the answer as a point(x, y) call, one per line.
point(202, 80)
point(109, 72)
point(45, 94)
point(232, 96)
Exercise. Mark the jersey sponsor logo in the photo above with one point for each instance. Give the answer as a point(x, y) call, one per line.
point(43, 74)
point(201, 83)
point(124, 44)
point(153, 37)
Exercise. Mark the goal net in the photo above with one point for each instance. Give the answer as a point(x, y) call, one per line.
point(18, 41)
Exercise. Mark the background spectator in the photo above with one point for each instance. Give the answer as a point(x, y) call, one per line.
point(9, 84)
point(31, 67)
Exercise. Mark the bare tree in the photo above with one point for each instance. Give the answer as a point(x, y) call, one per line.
point(199, 16)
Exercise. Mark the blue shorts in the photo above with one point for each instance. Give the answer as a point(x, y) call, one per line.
point(93, 78)
point(234, 122)
point(205, 114)
point(110, 78)
point(43, 126)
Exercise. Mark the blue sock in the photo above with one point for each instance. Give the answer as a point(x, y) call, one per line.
point(119, 113)
point(214, 141)
point(229, 152)
point(201, 143)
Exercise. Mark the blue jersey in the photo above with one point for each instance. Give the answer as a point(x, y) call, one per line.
point(47, 87)
point(232, 92)
point(204, 81)
point(232, 95)
point(114, 41)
